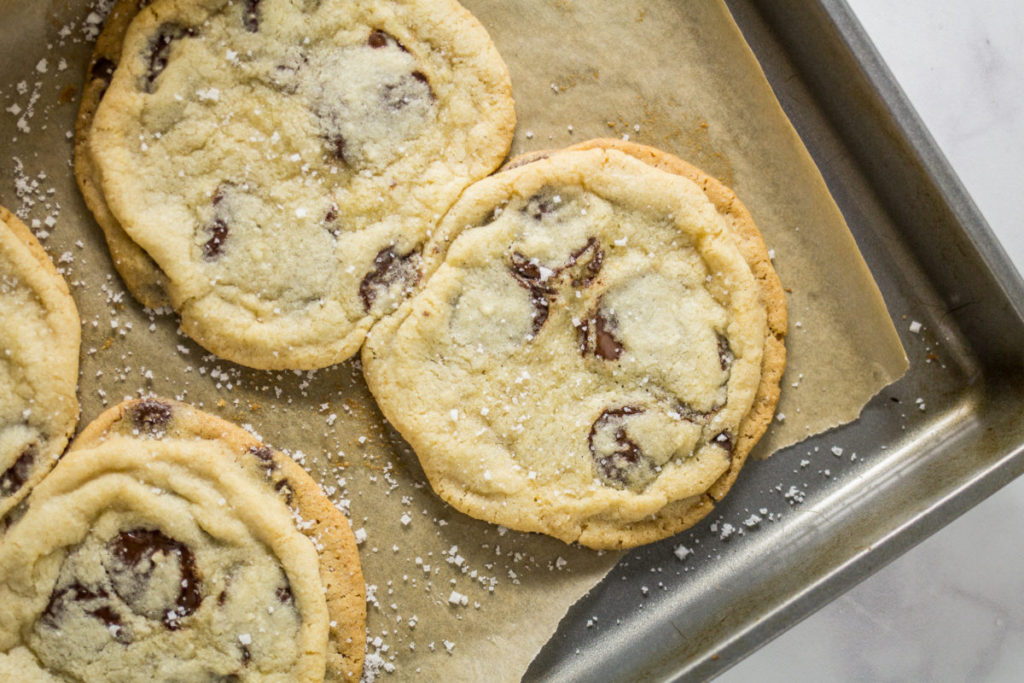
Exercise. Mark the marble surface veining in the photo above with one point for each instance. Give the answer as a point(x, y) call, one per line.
point(951, 609)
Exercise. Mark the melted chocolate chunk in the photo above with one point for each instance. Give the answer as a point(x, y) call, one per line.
point(526, 270)
point(596, 335)
point(108, 616)
point(379, 39)
point(626, 464)
point(266, 458)
point(151, 416)
point(585, 263)
point(263, 454)
point(331, 219)
point(529, 275)
point(583, 335)
point(606, 346)
point(132, 568)
point(218, 227)
point(541, 310)
point(77, 593)
point(388, 269)
point(17, 474)
point(213, 247)
point(222, 597)
point(160, 51)
point(336, 144)
point(103, 69)
point(251, 15)
point(540, 205)
point(724, 441)
point(725, 354)
point(284, 488)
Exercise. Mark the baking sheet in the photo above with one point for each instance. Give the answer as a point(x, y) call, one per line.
point(944, 437)
point(671, 74)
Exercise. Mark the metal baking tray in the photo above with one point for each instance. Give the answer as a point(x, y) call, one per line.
point(903, 472)
point(928, 448)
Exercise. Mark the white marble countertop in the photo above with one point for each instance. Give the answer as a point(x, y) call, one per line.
point(951, 609)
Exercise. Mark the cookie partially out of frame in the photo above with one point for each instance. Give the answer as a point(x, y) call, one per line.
point(40, 335)
point(598, 348)
point(169, 544)
point(140, 274)
point(282, 161)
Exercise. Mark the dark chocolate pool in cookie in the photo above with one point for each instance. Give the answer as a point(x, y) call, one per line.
point(587, 354)
point(167, 545)
point(282, 162)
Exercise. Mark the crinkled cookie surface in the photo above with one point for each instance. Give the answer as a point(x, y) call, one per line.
point(166, 545)
point(281, 161)
point(587, 354)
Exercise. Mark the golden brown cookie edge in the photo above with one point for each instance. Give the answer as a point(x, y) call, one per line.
point(65, 314)
point(140, 274)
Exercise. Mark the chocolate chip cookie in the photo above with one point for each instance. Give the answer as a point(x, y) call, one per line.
point(40, 335)
point(169, 544)
point(595, 352)
point(283, 161)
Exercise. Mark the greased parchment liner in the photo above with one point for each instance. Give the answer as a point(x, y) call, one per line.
point(453, 598)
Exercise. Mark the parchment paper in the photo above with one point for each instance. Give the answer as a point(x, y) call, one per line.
point(453, 598)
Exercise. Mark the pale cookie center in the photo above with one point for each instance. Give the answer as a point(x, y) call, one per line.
point(369, 100)
point(670, 333)
point(144, 601)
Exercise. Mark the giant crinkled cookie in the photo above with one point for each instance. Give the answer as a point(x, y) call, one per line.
point(169, 544)
point(282, 161)
point(40, 337)
point(596, 351)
